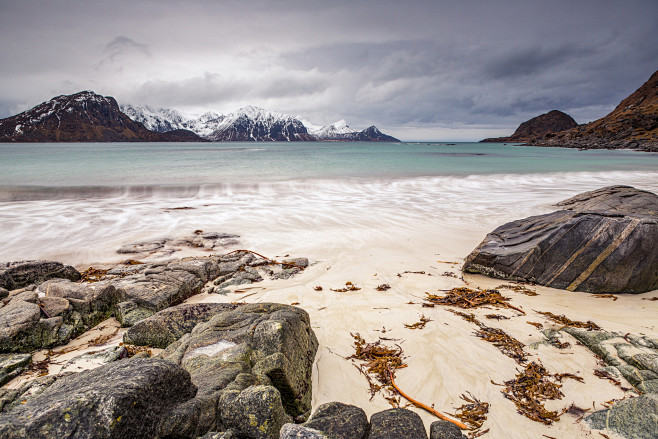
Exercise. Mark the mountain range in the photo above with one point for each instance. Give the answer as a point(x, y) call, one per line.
point(251, 124)
point(633, 124)
point(89, 117)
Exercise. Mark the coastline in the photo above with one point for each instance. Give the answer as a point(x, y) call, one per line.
point(445, 359)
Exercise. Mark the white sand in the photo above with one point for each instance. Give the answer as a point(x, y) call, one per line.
point(444, 359)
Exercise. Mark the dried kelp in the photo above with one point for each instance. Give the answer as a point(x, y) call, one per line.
point(449, 274)
point(92, 274)
point(383, 287)
point(463, 297)
point(536, 325)
point(606, 296)
point(133, 350)
point(132, 262)
point(318, 288)
point(474, 413)
point(530, 389)
point(349, 286)
point(604, 374)
point(378, 364)
point(377, 360)
point(497, 317)
point(565, 321)
point(519, 288)
point(419, 324)
point(650, 298)
point(505, 343)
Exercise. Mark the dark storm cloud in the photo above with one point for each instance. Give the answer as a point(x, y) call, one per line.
point(408, 67)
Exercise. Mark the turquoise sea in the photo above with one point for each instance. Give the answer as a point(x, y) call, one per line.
point(79, 202)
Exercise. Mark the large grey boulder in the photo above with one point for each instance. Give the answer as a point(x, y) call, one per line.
point(443, 429)
point(14, 275)
point(603, 241)
point(123, 399)
point(168, 325)
point(635, 418)
point(339, 421)
point(395, 424)
point(266, 346)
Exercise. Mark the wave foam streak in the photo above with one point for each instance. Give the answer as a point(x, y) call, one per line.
point(307, 218)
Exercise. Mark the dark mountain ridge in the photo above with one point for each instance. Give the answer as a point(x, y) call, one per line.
point(81, 117)
point(632, 124)
point(536, 128)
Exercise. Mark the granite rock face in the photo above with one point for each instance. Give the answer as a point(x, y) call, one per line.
point(238, 359)
point(14, 275)
point(635, 418)
point(168, 325)
point(395, 424)
point(127, 398)
point(331, 420)
point(603, 241)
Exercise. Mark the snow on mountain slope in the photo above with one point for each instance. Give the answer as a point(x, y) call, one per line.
point(167, 119)
point(257, 124)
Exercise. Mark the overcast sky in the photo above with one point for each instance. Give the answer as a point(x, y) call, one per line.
point(419, 70)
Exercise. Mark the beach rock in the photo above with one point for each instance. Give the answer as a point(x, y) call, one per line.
point(3, 293)
point(55, 306)
point(92, 360)
point(634, 418)
point(445, 430)
point(339, 421)
point(295, 431)
point(12, 398)
point(123, 399)
point(19, 326)
point(395, 424)
point(223, 435)
point(128, 313)
point(168, 325)
point(267, 345)
point(12, 365)
point(143, 246)
point(94, 302)
point(25, 296)
point(601, 241)
point(256, 412)
point(14, 275)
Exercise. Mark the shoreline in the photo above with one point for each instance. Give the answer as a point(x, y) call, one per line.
point(445, 359)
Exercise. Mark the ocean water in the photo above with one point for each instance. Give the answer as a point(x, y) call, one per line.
point(79, 202)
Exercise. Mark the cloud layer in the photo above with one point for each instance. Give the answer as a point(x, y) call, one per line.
point(418, 69)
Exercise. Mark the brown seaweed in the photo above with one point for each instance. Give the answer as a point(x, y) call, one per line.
point(383, 287)
point(349, 286)
point(419, 324)
point(519, 289)
point(530, 389)
point(466, 298)
point(92, 274)
point(565, 321)
point(474, 413)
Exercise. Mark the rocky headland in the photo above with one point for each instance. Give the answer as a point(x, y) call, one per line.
point(633, 124)
point(538, 127)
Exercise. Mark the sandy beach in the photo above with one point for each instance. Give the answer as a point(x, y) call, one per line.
point(445, 359)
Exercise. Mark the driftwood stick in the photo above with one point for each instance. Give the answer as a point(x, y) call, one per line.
point(425, 407)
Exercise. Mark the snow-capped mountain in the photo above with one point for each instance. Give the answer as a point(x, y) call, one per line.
point(335, 131)
point(167, 119)
point(256, 124)
point(81, 117)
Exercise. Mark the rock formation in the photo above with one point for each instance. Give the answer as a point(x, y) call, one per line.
point(538, 127)
point(632, 124)
point(603, 241)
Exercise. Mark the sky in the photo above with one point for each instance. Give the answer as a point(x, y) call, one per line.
point(417, 69)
